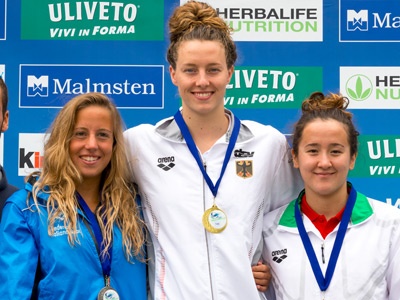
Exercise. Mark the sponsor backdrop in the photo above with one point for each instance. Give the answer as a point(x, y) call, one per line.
point(52, 50)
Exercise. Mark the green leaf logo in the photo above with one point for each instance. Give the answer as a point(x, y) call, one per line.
point(359, 87)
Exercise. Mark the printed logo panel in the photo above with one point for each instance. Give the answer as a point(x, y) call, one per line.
point(128, 86)
point(3, 19)
point(30, 153)
point(3, 72)
point(275, 20)
point(92, 20)
point(369, 21)
point(272, 87)
point(371, 87)
point(379, 156)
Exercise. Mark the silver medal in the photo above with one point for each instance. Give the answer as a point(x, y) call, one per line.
point(108, 293)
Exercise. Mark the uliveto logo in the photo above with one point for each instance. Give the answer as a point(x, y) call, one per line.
point(130, 86)
point(92, 20)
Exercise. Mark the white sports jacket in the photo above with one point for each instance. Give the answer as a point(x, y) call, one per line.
point(368, 265)
point(189, 262)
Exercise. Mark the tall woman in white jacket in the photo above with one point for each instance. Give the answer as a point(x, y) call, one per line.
point(205, 177)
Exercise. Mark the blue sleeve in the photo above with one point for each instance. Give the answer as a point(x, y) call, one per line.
point(18, 253)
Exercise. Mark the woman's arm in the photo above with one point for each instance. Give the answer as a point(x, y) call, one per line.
point(18, 254)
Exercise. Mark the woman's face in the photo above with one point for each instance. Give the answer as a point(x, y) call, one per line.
point(201, 75)
point(324, 158)
point(91, 145)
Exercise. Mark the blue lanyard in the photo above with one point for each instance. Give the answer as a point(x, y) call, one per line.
point(324, 282)
point(193, 149)
point(105, 260)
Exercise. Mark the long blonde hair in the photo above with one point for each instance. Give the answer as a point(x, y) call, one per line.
point(59, 178)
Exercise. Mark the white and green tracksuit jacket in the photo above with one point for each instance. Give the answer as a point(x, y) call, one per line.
point(368, 265)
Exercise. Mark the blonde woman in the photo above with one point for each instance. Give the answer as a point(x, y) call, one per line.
point(76, 220)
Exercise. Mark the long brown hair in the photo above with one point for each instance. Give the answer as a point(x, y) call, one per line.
point(332, 106)
point(199, 21)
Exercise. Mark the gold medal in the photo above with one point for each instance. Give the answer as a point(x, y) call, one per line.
point(214, 220)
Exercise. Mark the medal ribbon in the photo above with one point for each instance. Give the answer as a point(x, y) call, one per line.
point(104, 259)
point(193, 149)
point(324, 282)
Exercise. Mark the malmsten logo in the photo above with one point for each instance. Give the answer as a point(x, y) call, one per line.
point(129, 86)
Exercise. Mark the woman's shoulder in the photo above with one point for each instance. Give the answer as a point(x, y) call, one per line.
point(23, 198)
point(19, 198)
point(147, 129)
point(262, 131)
point(384, 210)
point(283, 214)
point(254, 125)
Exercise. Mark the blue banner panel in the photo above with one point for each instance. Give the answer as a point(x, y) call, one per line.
point(130, 86)
point(3, 19)
point(369, 21)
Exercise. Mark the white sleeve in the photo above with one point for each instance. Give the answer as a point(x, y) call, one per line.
point(393, 271)
point(129, 137)
point(287, 182)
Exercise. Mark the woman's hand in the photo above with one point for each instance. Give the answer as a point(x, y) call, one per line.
point(262, 276)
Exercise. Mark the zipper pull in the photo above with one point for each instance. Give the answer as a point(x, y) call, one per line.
point(323, 254)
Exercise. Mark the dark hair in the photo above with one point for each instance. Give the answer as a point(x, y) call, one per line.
point(3, 95)
point(199, 21)
point(332, 106)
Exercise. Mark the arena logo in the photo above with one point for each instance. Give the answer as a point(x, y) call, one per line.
point(130, 86)
point(3, 19)
point(369, 21)
point(93, 20)
point(30, 154)
point(285, 20)
point(371, 87)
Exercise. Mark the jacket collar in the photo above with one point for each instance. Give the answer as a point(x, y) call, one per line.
point(168, 129)
point(42, 194)
point(362, 210)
